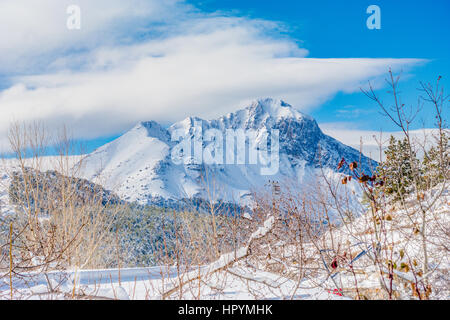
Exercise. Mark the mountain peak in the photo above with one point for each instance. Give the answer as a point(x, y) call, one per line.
point(264, 112)
point(275, 109)
point(139, 167)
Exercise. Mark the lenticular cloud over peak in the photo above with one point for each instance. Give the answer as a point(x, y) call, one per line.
point(198, 64)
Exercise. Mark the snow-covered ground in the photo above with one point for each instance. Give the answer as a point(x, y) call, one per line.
point(244, 275)
point(229, 277)
point(363, 255)
point(151, 283)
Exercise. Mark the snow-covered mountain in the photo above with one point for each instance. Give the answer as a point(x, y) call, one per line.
point(140, 165)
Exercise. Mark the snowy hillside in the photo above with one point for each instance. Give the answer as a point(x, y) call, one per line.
point(138, 166)
point(270, 269)
point(10, 166)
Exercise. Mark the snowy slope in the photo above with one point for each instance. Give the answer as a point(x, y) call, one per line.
point(237, 283)
point(138, 165)
point(229, 277)
point(249, 278)
point(10, 165)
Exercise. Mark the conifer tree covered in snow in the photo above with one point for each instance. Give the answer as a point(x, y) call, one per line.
point(397, 168)
point(434, 161)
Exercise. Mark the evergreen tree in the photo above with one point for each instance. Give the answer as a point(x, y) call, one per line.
point(435, 166)
point(397, 169)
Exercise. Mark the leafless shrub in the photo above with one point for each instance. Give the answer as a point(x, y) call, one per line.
point(59, 222)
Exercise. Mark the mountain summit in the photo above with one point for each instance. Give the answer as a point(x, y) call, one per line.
point(139, 165)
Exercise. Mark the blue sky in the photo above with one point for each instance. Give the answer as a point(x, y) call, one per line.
point(161, 60)
point(337, 29)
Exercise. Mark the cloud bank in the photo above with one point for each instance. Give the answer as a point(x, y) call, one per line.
point(155, 60)
point(370, 141)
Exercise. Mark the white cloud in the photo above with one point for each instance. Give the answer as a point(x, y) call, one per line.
point(188, 64)
point(368, 141)
point(33, 34)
